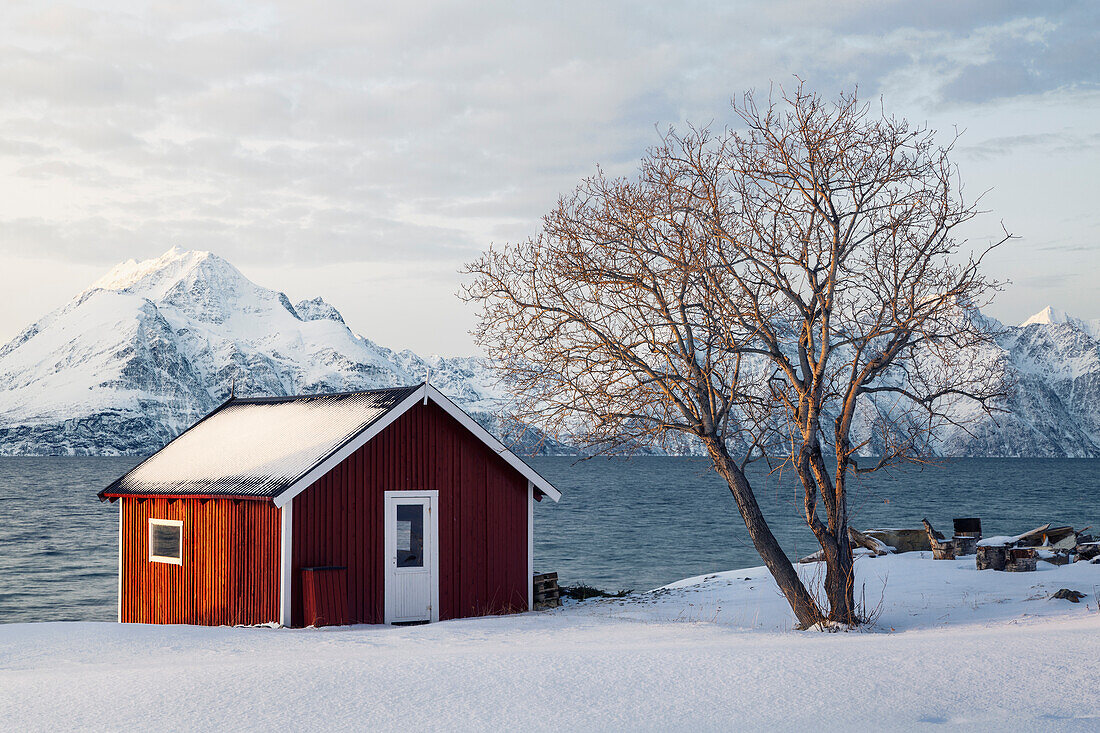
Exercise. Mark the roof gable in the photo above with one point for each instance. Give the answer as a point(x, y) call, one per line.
point(276, 447)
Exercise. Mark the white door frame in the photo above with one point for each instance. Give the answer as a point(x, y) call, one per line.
point(431, 528)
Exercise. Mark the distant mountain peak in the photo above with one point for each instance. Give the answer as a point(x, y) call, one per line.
point(1051, 316)
point(155, 344)
point(157, 275)
point(318, 309)
point(1047, 316)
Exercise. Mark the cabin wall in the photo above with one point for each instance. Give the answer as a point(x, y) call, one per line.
point(230, 570)
point(482, 518)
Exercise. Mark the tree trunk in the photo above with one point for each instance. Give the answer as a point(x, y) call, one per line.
point(840, 575)
point(840, 582)
point(779, 565)
point(836, 546)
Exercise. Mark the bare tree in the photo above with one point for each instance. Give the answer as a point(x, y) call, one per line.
point(758, 292)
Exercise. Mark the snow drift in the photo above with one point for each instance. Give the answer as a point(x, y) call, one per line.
point(973, 650)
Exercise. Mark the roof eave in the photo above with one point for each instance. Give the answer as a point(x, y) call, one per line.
point(154, 495)
point(491, 440)
point(104, 494)
point(425, 392)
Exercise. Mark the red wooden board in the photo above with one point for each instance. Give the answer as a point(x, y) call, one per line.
point(230, 570)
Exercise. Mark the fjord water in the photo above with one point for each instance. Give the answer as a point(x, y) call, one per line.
point(622, 524)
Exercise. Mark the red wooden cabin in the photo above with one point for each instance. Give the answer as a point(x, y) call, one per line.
point(385, 506)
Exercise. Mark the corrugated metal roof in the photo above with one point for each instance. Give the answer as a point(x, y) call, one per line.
point(257, 447)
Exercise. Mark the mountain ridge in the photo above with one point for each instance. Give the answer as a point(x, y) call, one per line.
point(153, 345)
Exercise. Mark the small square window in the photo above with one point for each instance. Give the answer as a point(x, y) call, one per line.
point(166, 541)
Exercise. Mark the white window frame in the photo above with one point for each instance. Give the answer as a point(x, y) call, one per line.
point(178, 523)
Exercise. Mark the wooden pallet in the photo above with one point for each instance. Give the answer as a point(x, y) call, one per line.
point(547, 593)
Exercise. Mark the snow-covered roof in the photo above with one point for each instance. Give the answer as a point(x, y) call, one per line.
point(276, 447)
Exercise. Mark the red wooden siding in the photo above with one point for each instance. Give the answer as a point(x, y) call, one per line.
point(482, 518)
point(230, 570)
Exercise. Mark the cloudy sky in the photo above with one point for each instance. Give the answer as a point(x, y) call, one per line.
point(363, 152)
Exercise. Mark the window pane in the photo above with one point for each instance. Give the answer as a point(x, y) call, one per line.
point(166, 540)
point(410, 535)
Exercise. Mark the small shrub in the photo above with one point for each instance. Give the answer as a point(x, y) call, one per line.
point(582, 592)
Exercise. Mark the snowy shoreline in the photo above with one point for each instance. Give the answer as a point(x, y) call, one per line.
point(951, 645)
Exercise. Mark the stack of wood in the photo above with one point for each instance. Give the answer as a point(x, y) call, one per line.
point(1087, 548)
point(546, 591)
point(1087, 552)
point(991, 557)
point(1004, 555)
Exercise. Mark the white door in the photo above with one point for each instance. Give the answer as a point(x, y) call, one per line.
point(412, 557)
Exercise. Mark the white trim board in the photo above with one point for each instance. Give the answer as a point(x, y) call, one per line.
point(425, 392)
point(488, 439)
point(286, 538)
point(530, 546)
point(120, 500)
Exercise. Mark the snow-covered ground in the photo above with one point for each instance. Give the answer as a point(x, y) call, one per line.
point(981, 650)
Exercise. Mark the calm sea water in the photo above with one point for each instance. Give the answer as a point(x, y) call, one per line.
point(622, 524)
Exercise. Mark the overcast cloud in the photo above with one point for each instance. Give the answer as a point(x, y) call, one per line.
point(363, 151)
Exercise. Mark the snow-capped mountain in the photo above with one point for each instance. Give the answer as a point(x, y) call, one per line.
point(154, 345)
point(1051, 316)
point(1053, 408)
